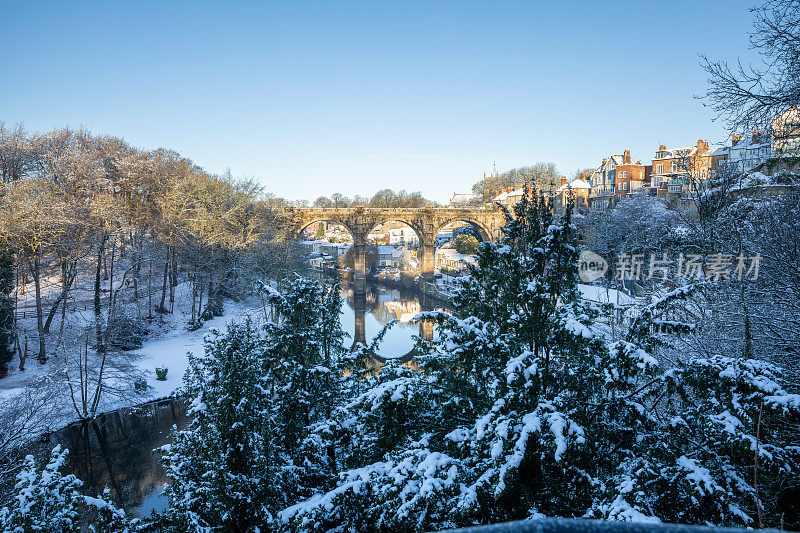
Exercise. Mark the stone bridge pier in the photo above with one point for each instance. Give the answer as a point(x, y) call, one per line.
point(426, 223)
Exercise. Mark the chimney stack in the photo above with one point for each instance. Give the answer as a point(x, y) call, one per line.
point(735, 139)
point(662, 148)
point(563, 180)
point(626, 157)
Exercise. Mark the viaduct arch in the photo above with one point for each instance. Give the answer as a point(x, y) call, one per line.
point(425, 221)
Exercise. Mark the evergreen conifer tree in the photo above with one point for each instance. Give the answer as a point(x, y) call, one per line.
point(257, 397)
point(49, 501)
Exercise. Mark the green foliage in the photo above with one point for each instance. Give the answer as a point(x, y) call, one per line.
point(257, 395)
point(126, 332)
point(525, 408)
point(221, 466)
point(48, 501)
point(466, 244)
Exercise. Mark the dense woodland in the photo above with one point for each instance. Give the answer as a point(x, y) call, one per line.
point(383, 198)
point(100, 241)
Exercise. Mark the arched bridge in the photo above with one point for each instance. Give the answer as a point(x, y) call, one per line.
point(425, 221)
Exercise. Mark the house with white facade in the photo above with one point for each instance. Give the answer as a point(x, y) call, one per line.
point(403, 235)
point(603, 180)
point(747, 153)
point(312, 246)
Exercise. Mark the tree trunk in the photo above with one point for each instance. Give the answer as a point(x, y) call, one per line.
point(98, 311)
point(161, 308)
point(68, 277)
point(111, 277)
point(173, 281)
point(42, 357)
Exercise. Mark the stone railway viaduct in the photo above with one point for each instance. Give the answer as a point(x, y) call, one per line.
point(425, 221)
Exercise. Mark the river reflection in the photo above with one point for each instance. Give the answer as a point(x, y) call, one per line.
point(364, 314)
point(116, 450)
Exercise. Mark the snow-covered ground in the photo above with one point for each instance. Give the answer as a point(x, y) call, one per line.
point(170, 350)
point(167, 346)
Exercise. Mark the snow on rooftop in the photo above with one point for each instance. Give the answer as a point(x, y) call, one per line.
point(506, 195)
point(574, 184)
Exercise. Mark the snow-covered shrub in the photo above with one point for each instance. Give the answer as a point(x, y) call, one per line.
point(126, 332)
point(718, 436)
point(49, 502)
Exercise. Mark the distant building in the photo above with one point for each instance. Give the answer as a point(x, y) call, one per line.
point(578, 188)
point(603, 182)
point(746, 153)
point(677, 171)
point(630, 176)
point(403, 235)
point(393, 257)
point(786, 134)
point(509, 197)
point(464, 200)
point(451, 259)
point(312, 247)
point(336, 251)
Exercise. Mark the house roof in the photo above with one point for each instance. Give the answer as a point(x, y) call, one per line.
point(673, 153)
point(463, 198)
point(574, 184)
point(722, 150)
point(506, 195)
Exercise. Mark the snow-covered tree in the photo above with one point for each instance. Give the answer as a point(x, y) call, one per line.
point(718, 455)
point(222, 467)
point(48, 501)
point(256, 395)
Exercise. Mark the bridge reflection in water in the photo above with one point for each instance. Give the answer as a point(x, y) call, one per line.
point(375, 306)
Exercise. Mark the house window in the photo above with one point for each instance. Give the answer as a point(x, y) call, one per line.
point(625, 186)
point(673, 166)
point(660, 169)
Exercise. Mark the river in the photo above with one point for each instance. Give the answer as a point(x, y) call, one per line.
point(116, 449)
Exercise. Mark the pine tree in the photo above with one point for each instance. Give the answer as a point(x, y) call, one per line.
point(525, 408)
point(48, 501)
point(222, 467)
point(498, 422)
point(258, 397)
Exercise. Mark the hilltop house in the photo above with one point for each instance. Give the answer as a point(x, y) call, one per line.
point(602, 181)
point(630, 176)
point(509, 197)
point(746, 153)
point(578, 188)
point(786, 133)
point(677, 171)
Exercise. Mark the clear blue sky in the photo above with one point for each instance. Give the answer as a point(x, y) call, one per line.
point(313, 98)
